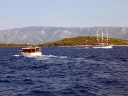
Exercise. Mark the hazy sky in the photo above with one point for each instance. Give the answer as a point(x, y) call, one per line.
point(64, 13)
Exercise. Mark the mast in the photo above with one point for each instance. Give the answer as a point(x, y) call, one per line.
point(97, 36)
point(107, 38)
point(102, 35)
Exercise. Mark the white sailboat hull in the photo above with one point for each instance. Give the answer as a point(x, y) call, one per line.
point(104, 47)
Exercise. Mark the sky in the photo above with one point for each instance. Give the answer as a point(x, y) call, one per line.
point(63, 13)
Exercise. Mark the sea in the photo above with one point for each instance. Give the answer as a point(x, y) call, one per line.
point(64, 71)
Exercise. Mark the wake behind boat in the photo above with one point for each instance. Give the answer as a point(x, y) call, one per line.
point(31, 51)
point(102, 44)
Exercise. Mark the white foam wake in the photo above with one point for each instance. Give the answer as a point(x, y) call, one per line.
point(16, 55)
point(44, 57)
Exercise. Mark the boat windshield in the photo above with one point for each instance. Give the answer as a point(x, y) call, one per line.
point(33, 50)
point(37, 49)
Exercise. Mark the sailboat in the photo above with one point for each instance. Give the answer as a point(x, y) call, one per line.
point(102, 44)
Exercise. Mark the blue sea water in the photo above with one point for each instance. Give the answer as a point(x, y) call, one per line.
point(64, 71)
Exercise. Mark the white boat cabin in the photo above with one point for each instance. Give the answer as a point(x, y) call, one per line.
point(31, 51)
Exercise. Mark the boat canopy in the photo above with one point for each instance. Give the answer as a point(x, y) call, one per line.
point(31, 49)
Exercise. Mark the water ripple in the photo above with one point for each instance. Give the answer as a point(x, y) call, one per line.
point(65, 71)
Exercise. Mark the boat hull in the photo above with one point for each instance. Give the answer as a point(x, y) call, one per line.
point(26, 54)
point(104, 47)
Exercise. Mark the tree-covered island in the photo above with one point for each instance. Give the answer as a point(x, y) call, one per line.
point(73, 41)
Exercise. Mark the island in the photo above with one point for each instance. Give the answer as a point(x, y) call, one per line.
point(79, 41)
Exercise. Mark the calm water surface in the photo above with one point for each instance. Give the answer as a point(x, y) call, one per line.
point(65, 71)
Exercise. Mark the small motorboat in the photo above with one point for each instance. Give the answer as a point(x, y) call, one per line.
point(31, 51)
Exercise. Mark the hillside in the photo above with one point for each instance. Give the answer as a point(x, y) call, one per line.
point(73, 41)
point(39, 34)
point(83, 40)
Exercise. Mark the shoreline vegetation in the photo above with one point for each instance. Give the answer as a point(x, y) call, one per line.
point(79, 41)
